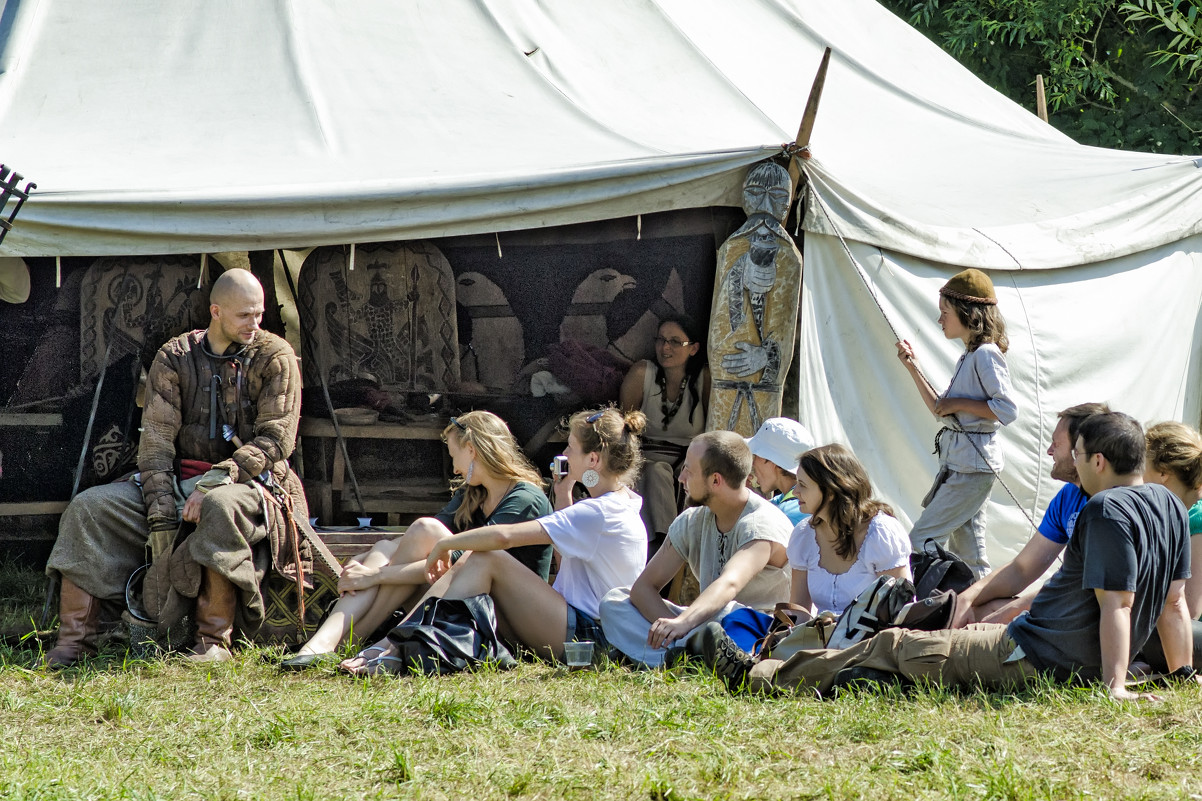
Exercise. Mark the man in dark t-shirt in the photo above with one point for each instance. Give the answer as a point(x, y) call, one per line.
point(1114, 550)
point(1124, 574)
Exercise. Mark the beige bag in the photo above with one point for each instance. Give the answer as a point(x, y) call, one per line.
point(790, 632)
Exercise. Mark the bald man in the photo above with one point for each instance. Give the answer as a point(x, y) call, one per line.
point(222, 407)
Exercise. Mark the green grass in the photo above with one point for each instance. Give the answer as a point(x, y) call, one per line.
point(117, 728)
point(22, 596)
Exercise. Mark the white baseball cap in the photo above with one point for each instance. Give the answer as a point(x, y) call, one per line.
point(781, 441)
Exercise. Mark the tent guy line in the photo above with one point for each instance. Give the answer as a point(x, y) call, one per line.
point(872, 293)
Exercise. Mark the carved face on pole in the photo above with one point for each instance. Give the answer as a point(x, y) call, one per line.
point(767, 190)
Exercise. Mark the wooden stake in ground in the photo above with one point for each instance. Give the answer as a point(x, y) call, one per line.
point(1041, 100)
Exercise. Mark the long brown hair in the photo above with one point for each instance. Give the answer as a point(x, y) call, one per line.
point(984, 323)
point(847, 501)
point(497, 453)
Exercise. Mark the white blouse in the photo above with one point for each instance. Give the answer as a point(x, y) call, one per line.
point(886, 546)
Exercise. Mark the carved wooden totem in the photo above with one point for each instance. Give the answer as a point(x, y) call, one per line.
point(753, 320)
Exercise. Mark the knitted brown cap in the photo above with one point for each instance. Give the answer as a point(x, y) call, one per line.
point(972, 286)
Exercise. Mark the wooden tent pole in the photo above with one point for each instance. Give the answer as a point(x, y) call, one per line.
point(802, 142)
point(1041, 100)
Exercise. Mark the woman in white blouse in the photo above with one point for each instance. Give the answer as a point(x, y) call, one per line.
point(849, 538)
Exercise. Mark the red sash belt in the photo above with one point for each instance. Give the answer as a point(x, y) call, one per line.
point(191, 468)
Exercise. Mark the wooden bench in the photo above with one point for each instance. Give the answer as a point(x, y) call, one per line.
point(346, 541)
point(393, 498)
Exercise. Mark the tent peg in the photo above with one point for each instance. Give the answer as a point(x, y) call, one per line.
point(498, 236)
point(58, 272)
point(351, 261)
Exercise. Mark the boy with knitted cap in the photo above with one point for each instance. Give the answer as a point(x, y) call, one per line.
point(976, 403)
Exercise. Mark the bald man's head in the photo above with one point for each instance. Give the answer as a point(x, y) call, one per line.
point(236, 304)
point(235, 284)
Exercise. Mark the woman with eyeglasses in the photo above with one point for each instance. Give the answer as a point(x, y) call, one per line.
point(494, 484)
point(672, 392)
point(600, 540)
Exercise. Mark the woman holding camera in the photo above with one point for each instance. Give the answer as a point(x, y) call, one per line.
point(600, 539)
point(495, 485)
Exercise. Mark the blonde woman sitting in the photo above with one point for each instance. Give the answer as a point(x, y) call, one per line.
point(601, 541)
point(495, 484)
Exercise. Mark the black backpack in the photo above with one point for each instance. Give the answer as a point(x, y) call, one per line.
point(446, 635)
point(937, 570)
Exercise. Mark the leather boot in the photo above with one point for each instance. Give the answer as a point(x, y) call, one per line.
point(215, 607)
point(78, 623)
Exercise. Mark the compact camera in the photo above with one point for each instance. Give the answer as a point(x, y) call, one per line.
point(559, 467)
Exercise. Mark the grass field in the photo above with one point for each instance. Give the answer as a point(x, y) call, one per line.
point(118, 728)
point(143, 730)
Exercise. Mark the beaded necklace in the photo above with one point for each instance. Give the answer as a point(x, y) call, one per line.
point(669, 410)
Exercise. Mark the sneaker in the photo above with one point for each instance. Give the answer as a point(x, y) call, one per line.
point(730, 662)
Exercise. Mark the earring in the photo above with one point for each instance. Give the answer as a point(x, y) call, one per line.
point(471, 468)
point(591, 478)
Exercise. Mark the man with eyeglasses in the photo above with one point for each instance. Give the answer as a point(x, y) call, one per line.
point(1123, 575)
point(732, 539)
point(1001, 596)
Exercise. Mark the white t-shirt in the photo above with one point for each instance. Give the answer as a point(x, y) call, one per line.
point(695, 536)
point(602, 544)
point(886, 546)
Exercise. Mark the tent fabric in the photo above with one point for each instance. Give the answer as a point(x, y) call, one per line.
point(217, 125)
point(208, 125)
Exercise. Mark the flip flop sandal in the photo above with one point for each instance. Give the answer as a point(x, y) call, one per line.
point(306, 661)
point(368, 655)
point(387, 666)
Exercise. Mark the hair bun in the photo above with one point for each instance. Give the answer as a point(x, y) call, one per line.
point(635, 422)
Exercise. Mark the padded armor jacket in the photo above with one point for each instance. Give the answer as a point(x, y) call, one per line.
point(259, 394)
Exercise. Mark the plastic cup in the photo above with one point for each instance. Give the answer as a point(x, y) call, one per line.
point(578, 655)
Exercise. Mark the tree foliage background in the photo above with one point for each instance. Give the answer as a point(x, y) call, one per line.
point(1117, 74)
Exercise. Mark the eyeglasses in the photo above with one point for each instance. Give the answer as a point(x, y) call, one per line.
point(673, 343)
point(455, 422)
point(1079, 454)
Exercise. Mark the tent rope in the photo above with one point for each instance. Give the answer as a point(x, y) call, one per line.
point(957, 425)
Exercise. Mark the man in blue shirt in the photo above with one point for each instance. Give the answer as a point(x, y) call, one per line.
point(999, 597)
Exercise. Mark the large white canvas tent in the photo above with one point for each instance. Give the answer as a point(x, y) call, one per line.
point(215, 125)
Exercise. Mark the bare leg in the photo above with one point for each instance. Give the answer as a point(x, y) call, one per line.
point(528, 610)
point(403, 563)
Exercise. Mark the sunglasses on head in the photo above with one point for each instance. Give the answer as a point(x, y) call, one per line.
point(455, 422)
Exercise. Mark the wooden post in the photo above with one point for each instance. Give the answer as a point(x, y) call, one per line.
point(1041, 100)
point(807, 118)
